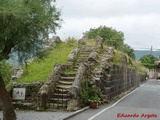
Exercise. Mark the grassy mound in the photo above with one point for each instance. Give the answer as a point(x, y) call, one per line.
point(40, 69)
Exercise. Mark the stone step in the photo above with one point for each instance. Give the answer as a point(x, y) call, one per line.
point(98, 71)
point(64, 86)
point(64, 91)
point(88, 46)
point(86, 50)
point(107, 88)
point(108, 82)
point(67, 78)
point(65, 82)
point(68, 75)
point(60, 95)
point(76, 66)
point(23, 105)
point(59, 100)
point(84, 55)
point(76, 69)
point(98, 76)
point(80, 61)
point(55, 105)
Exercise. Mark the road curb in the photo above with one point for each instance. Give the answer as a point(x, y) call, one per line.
point(76, 112)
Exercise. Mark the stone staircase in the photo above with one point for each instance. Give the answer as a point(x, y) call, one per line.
point(84, 53)
point(60, 96)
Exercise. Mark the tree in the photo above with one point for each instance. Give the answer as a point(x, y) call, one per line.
point(24, 27)
point(130, 52)
point(149, 61)
point(110, 36)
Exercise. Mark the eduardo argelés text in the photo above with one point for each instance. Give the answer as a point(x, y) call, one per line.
point(135, 115)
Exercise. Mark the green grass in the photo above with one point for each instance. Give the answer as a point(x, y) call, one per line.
point(40, 69)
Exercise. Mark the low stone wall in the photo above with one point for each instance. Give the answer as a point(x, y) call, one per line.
point(31, 93)
point(122, 79)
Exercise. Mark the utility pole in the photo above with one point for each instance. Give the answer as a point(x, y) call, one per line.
point(151, 49)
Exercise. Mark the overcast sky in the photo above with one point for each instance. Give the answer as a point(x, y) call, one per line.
point(139, 20)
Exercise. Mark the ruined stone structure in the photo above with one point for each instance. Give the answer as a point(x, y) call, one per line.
point(94, 63)
point(154, 73)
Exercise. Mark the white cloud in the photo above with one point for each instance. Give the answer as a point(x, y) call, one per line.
point(138, 19)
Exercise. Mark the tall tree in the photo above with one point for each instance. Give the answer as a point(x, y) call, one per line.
point(110, 36)
point(24, 27)
point(149, 61)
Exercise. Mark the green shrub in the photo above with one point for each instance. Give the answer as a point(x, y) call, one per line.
point(88, 93)
point(71, 41)
point(5, 71)
point(149, 61)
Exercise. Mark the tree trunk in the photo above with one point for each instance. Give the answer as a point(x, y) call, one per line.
point(8, 110)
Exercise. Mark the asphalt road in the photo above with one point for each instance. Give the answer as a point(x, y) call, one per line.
point(142, 104)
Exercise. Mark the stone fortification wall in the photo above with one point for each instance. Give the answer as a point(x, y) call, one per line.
point(98, 68)
point(121, 79)
point(111, 79)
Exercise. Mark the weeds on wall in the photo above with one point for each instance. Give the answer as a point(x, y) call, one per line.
point(88, 93)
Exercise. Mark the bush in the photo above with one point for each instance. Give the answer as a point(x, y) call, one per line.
point(149, 61)
point(88, 93)
point(71, 41)
point(5, 71)
point(110, 36)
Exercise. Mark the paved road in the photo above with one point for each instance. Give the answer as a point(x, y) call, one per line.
point(33, 115)
point(143, 104)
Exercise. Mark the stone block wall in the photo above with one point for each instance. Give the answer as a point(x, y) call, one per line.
point(32, 90)
point(121, 79)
